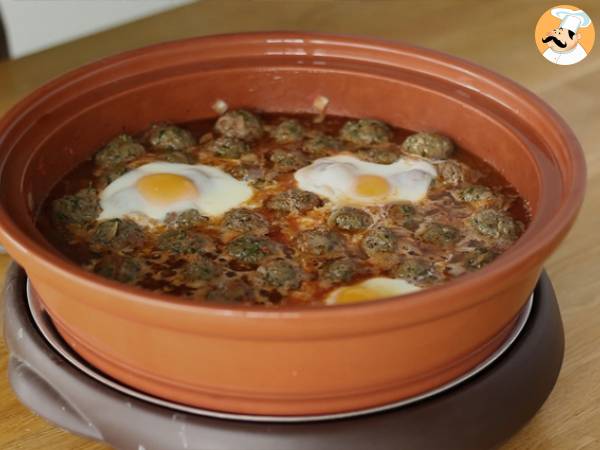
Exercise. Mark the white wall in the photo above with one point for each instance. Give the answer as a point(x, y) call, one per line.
point(32, 25)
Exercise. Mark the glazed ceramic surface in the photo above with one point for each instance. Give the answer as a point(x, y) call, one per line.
point(287, 361)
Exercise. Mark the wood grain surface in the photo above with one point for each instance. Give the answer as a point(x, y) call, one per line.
point(498, 35)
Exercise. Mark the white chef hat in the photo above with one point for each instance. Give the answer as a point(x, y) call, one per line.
point(570, 19)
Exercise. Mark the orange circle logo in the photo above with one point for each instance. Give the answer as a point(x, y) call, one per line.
point(565, 35)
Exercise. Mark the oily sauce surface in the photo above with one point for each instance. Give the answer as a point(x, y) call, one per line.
point(432, 241)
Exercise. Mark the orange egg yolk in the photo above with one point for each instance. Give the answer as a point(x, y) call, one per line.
point(372, 186)
point(355, 294)
point(166, 188)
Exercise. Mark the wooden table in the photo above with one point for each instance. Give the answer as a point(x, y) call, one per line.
point(498, 35)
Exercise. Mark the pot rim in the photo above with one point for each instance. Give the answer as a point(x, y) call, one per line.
point(448, 297)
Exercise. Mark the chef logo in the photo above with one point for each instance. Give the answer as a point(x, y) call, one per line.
point(564, 35)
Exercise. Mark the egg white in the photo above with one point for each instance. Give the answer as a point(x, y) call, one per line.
point(380, 287)
point(334, 178)
point(218, 192)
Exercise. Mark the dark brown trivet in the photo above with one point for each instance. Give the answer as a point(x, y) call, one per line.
point(477, 415)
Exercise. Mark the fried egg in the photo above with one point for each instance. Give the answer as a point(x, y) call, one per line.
point(347, 179)
point(159, 188)
point(368, 290)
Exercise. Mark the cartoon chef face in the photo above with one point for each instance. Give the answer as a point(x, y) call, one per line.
point(561, 39)
point(564, 41)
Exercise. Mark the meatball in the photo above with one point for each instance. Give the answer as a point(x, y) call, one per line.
point(169, 137)
point(452, 173)
point(321, 243)
point(494, 224)
point(120, 150)
point(239, 124)
point(175, 157)
point(320, 144)
point(249, 172)
point(80, 208)
point(473, 193)
point(287, 160)
point(479, 257)
point(340, 270)
point(365, 132)
point(244, 220)
point(229, 147)
point(118, 234)
point(404, 214)
point(231, 291)
point(379, 240)
point(185, 241)
point(119, 268)
point(378, 155)
point(429, 145)
point(201, 268)
point(281, 273)
point(189, 218)
point(415, 270)
point(288, 131)
point(348, 218)
point(252, 250)
point(439, 234)
point(111, 175)
point(294, 200)
point(106, 231)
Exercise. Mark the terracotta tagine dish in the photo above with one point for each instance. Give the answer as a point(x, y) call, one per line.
point(287, 361)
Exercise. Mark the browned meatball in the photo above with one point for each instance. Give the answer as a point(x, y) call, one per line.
point(186, 219)
point(281, 273)
point(169, 137)
point(120, 150)
point(439, 234)
point(229, 147)
point(125, 269)
point(495, 224)
point(287, 160)
point(379, 240)
point(349, 218)
point(404, 214)
point(239, 124)
point(251, 250)
point(288, 131)
point(474, 193)
point(252, 173)
point(201, 268)
point(118, 234)
point(378, 155)
point(452, 173)
point(429, 145)
point(365, 132)
point(416, 271)
point(340, 270)
point(478, 258)
point(80, 208)
point(110, 175)
point(321, 144)
point(294, 200)
point(176, 157)
point(244, 220)
point(323, 243)
point(185, 241)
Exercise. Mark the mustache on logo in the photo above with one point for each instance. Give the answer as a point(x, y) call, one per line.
point(556, 41)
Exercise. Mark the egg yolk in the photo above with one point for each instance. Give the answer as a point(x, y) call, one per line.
point(166, 188)
point(355, 294)
point(372, 186)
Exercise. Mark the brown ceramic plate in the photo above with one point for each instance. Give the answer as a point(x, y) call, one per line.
point(287, 361)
